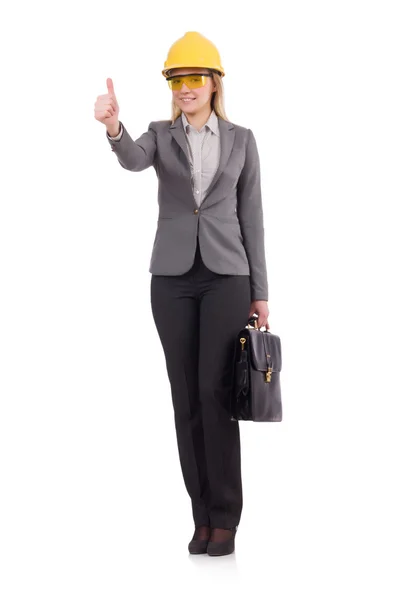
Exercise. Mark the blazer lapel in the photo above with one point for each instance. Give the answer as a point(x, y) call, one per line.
point(176, 130)
point(227, 134)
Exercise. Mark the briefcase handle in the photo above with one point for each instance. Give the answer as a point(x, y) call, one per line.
point(253, 322)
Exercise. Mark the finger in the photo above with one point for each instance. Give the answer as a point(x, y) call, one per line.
point(110, 86)
point(107, 104)
point(110, 107)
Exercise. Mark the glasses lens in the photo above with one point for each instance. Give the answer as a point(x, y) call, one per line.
point(195, 81)
point(192, 81)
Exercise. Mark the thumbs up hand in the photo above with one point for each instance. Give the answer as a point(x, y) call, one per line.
point(106, 109)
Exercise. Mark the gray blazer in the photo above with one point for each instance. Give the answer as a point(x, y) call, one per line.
point(229, 222)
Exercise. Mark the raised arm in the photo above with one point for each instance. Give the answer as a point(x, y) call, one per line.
point(132, 155)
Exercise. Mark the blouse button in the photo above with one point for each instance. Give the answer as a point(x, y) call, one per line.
point(196, 211)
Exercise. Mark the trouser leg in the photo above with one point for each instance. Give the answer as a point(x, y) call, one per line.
point(224, 309)
point(176, 313)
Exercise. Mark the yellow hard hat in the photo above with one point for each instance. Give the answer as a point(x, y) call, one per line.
point(193, 50)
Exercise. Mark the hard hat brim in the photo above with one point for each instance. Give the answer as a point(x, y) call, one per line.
point(219, 69)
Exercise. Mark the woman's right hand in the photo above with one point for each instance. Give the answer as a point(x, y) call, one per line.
point(107, 108)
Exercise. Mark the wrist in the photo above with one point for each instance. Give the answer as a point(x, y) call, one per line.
point(114, 130)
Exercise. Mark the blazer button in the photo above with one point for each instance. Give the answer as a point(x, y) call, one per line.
point(196, 211)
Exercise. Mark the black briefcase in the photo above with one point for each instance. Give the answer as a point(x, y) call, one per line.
point(256, 391)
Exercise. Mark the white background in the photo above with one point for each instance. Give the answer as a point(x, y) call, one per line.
point(92, 503)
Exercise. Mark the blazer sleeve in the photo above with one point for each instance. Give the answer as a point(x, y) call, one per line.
point(118, 136)
point(250, 214)
point(135, 155)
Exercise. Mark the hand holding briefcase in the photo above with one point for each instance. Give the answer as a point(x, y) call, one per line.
point(256, 394)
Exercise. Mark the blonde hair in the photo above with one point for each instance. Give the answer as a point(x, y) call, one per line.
point(217, 100)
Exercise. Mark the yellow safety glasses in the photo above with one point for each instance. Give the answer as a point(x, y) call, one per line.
point(194, 80)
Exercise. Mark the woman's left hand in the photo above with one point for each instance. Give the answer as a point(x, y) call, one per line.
point(261, 308)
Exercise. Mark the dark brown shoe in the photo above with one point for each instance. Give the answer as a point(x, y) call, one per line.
point(221, 541)
point(198, 543)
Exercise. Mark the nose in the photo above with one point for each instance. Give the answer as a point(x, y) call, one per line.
point(184, 88)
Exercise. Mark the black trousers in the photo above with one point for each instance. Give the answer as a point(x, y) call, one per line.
point(198, 316)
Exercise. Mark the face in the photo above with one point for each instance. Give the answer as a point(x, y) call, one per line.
point(201, 97)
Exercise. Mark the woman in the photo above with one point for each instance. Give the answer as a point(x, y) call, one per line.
point(208, 271)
